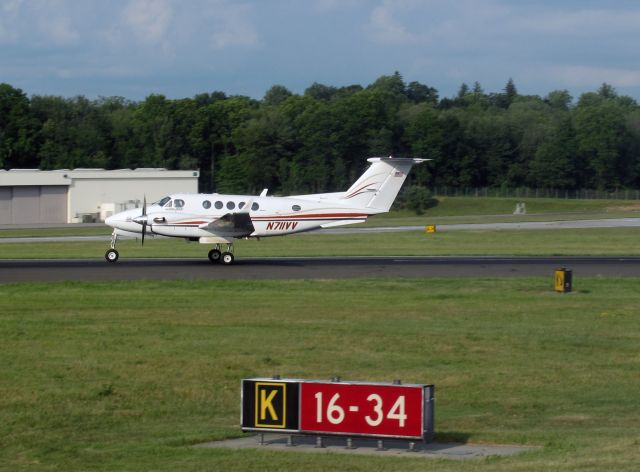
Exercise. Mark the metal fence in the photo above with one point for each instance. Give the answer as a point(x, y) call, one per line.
point(499, 192)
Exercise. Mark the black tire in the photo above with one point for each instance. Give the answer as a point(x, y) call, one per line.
point(227, 258)
point(111, 255)
point(215, 256)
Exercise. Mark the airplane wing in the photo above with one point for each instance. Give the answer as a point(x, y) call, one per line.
point(231, 224)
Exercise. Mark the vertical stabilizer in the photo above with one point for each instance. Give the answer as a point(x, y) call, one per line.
point(378, 187)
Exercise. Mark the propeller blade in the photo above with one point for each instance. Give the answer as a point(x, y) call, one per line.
point(144, 218)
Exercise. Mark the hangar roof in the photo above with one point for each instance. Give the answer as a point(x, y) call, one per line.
point(21, 177)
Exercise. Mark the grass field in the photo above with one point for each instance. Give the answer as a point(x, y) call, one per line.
point(608, 241)
point(126, 376)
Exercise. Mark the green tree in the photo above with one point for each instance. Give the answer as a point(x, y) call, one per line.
point(607, 91)
point(391, 84)
point(320, 92)
point(463, 91)
point(510, 90)
point(420, 93)
point(553, 165)
point(17, 129)
point(600, 134)
point(276, 95)
point(559, 99)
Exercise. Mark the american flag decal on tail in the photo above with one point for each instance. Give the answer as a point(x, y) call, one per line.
point(398, 174)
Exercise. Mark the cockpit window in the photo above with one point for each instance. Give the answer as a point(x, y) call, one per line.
point(169, 204)
point(178, 203)
point(164, 200)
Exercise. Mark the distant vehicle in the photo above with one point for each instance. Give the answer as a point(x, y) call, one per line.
point(219, 219)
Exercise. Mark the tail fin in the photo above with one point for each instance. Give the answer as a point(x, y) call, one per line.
point(378, 187)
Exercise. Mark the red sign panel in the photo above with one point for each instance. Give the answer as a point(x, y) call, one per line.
point(362, 409)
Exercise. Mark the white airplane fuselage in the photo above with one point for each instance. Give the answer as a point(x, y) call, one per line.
point(218, 219)
point(270, 216)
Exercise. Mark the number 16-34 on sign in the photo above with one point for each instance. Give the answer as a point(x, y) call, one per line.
point(363, 409)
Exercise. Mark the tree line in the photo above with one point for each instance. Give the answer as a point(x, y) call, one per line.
point(318, 141)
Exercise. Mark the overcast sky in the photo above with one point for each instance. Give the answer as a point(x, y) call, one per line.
point(133, 48)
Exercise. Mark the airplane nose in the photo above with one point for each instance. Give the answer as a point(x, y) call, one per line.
point(113, 220)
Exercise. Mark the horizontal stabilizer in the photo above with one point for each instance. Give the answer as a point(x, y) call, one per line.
point(343, 222)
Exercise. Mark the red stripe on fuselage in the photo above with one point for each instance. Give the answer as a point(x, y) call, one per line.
point(316, 216)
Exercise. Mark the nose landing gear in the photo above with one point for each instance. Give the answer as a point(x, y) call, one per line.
point(112, 255)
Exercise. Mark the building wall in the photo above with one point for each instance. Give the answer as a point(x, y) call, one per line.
point(53, 204)
point(88, 195)
point(68, 196)
point(6, 198)
point(30, 204)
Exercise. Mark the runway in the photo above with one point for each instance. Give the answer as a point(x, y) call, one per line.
point(12, 271)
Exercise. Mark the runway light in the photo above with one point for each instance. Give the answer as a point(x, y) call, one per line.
point(430, 229)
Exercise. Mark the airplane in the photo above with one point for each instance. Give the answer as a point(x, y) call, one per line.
point(219, 219)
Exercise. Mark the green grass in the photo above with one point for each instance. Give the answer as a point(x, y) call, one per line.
point(452, 210)
point(607, 241)
point(68, 230)
point(126, 376)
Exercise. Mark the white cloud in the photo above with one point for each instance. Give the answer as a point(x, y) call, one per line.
point(9, 10)
point(329, 6)
point(587, 76)
point(59, 30)
point(384, 28)
point(11, 6)
point(232, 26)
point(148, 19)
point(586, 22)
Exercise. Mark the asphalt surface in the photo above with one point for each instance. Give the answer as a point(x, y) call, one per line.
point(12, 271)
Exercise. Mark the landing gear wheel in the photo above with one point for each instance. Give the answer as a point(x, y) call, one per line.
point(227, 258)
point(215, 255)
point(111, 255)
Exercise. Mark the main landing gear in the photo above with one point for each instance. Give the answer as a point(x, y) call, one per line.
point(216, 256)
point(112, 255)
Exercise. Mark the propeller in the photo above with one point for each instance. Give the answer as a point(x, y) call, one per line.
point(142, 219)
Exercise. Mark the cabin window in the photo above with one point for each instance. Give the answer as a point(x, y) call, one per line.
point(206, 204)
point(296, 208)
point(255, 207)
point(241, 205)
point(231, 205)
point(178, 203)
point(218, 205)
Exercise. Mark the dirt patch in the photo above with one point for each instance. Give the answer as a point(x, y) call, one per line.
point(623, 208)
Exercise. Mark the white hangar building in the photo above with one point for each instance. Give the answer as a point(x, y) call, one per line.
point(31, 196)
